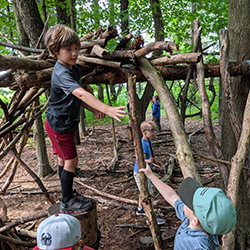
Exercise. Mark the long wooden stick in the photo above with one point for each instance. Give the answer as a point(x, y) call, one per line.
point(146, 201)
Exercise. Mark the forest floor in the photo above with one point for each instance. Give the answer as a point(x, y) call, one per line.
point(120, 227)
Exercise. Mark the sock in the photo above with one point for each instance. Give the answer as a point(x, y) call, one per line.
point(60, 169)
point(66, 184)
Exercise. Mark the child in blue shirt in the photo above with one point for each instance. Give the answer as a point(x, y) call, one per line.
point(148, 130)
point(205, 213)
point(157, 112)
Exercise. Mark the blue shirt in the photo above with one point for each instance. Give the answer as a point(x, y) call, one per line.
point(156, 110)
point(187, 238)
point(147, 152)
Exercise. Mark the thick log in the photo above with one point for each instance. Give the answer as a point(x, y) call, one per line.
point(36, 78)
point(183, 151)
point(169, 46)
point(99, 51)
point(225, 79)
point(177, 58)
point(178, 72)
point(14, 62)
point(121, 54)
point(123, 42)
point(137, 43)
point(90, 44)
point(99, 61)
point(88, 221)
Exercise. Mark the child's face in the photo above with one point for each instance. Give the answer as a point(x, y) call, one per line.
point(154, 100)
point(67, 56)
point(149, 133)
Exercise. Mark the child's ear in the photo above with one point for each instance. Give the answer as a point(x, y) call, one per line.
point(196, 221)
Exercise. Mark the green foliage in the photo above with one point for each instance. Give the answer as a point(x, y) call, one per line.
point(177, 17)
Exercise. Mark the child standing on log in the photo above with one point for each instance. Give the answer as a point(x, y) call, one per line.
point(205, 213)
point(156, 113)
point(62, 116)
point(148, 130)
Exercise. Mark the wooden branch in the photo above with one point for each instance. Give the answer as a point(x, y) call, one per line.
point(137, 43)
point(97, 50)
point(225, 79)
point(213, 159)
point(133, 202)
point(92, 43)
point(113, 203)
point(121, 54)
point(177, 58)
point(183, 151)
point(123, 42)
point(36, 78)
point(22, 48)
point(167, 46)
point(16, 241)
point(22, 221)
point(14, 62)
point(36, 179)
point(170, 170)
point(237, 163)
point(146, 201)
point(24, 128)
point(207, 120)
point(26, 233)
point(99, 61)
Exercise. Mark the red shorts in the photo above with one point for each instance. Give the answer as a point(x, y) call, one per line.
point(63, 144)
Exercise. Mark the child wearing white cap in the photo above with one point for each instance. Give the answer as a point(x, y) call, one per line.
point(205, 213)
point(60, 231)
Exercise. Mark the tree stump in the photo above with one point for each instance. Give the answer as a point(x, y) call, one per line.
point(88, 221)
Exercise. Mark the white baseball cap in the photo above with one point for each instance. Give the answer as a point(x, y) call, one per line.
point(59, 231)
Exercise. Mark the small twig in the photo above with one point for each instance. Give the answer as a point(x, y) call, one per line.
point(22, 221)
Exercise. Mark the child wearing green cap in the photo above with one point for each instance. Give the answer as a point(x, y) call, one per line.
point(205, 212)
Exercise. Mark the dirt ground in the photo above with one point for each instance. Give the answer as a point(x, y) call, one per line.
point(120, 227)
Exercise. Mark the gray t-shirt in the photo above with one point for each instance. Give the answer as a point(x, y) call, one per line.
point(63, 112)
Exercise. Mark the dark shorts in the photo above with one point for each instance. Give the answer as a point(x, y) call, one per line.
point(63, 144)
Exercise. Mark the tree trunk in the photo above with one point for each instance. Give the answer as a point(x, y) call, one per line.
point(31, 20)
point(124, 16)
point(61, 11)
point(23, 39)
point(239, 36)
point(73, 14)
point(100, 93)
point(158, 24)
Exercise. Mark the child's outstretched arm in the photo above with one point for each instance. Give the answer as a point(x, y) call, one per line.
point(89, 99)
point(97, 113)
point(166, 191)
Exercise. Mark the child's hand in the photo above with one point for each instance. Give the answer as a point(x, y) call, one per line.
point(152, 159)
point(116, 112)
point(99, 114)
point(147, 171)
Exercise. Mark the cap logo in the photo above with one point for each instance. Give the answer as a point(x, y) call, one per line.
point(204, 191)
point(46, 239)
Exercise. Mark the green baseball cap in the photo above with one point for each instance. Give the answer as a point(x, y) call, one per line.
point(211, 206)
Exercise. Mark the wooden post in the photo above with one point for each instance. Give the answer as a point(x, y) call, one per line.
point(88, 221)
point(146, 201)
